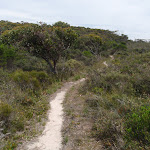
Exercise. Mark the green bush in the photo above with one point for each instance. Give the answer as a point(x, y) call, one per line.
point(87, 53)
point(26, 81)
point(74, 65)
point(33, 80)
point(109, 81)
point(18, 123)
point(113, 92)
point(68, 69)
point(4, 76)
point(41, 76)
point(106, 122)
point(137, 126)
point(141, 84)
point(29, 63)
point(21, 77)
point(7, 54)
point(5, 111)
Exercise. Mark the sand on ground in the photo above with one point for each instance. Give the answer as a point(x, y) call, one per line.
point(51, 138)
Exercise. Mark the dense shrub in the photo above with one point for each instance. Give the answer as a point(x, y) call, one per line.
point(5, 111)
point(26, 81)
point(7, 55)
point(41, 76)
point(118, 101)
point(87, 53)
point(141, 84)
point(74, 65)
point(137, 126)
point(109, 81)
point(69, 68)
point(4, 76)
point(107, 124)
point(27, 62)
point(23, 102)
point(32, 81)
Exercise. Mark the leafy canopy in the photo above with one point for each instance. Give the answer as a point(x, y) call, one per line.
point(43, 42)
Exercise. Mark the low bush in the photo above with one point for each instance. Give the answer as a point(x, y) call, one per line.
point(7, 55)
point(118, 102)
point(107, 125)
point(32, 81)
point(42, 77)
point(141, 84)
point(137, 126)
point(26, 81)
point(109, 81)
point(5, 111)
point(23, 102)
point(27, 62)
point(68, 69)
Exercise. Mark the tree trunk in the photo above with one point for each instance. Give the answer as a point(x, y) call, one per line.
point(52, 69)
point(54, 65)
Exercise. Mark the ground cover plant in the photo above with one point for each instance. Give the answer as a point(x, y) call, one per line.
point(118, 98)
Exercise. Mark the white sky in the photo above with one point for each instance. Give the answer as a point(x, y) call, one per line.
point(130, 17)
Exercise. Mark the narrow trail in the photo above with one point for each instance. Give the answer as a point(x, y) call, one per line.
point(51, 138)
point(105, 63)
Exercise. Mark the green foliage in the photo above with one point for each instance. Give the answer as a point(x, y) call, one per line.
point(5, 111)
point(74, 64)
point(27, 62)
point(48, 44)
point(89, 42)
point(118, 98)
point(4, 76)
point(77, 77)
point(61, 24)
point(109, 81)
point(26, 81)
point(87, 53)
point(141, 84)
point(137, 126)
point(105, 34)
point(69, 68)
point(10, 145)
point(41, 76)
point(65, 140)
point(23, 104)
point(32, 81)
point(6, 25)
point(7, 54)
point(18, 123)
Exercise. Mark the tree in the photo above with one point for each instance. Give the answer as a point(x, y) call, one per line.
point(90, 42)
point(61, 24)
point(46, 43)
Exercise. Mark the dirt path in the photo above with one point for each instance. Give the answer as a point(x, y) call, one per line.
point(105, 63)
point(51, 139)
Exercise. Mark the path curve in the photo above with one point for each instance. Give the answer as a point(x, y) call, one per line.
point(105, 63)
point(51, 138)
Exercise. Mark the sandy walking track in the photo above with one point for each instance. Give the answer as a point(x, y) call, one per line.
point(51, 138)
